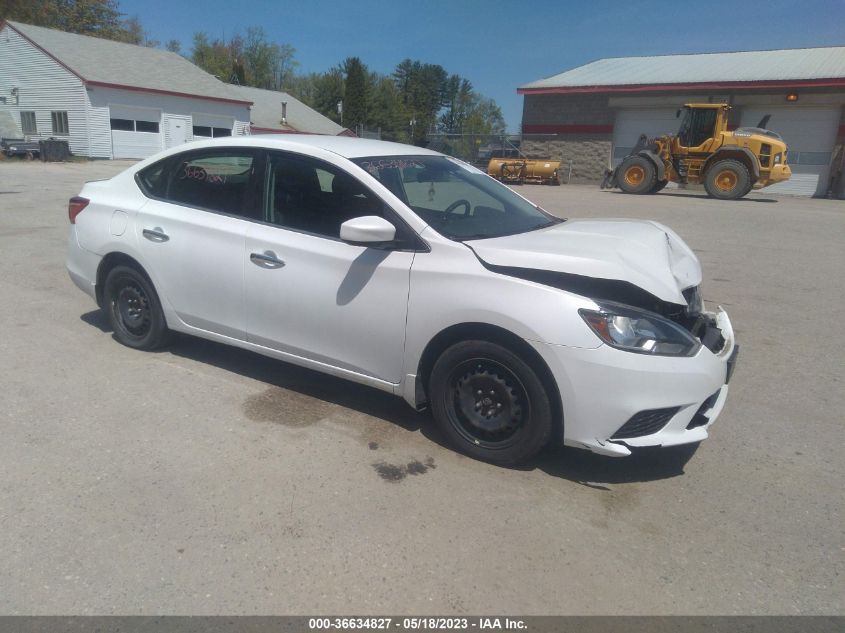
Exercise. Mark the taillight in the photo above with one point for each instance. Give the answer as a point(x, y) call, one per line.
point(75, 206)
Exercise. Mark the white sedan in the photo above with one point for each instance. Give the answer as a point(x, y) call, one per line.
point(412, 272)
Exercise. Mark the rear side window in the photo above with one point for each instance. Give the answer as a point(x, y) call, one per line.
point(215, 181)
point(153, 179)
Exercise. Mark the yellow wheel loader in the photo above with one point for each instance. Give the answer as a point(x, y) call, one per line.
point(728, 163)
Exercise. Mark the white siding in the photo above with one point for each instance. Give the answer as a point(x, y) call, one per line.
point(172, 107)
point(43, 86)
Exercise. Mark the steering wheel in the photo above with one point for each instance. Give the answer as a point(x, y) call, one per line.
point(457, 203)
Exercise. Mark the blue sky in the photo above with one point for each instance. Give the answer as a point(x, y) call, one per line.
point(499, 45)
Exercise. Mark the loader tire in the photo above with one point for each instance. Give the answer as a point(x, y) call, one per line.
point(727, 180)
point(636, 174)
point(658, 185)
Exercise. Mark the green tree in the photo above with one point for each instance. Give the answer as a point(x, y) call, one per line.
point(356, 93)
point(99, 18)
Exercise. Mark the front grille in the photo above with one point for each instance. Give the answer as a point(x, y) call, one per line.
point(699, 419)
point(645, 423)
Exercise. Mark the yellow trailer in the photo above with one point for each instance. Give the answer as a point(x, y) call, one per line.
point(522, 170)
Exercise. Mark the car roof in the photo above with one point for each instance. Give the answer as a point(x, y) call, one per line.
point(346, 146)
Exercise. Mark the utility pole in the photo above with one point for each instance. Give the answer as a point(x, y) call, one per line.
point(340, 110)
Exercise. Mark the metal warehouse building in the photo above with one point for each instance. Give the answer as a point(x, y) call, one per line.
point(114, 100)
point(591, 116)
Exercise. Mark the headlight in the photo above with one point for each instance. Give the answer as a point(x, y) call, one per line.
point(778, 158)
point(638, 331)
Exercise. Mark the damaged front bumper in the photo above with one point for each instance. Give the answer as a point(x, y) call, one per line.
point(644, 400)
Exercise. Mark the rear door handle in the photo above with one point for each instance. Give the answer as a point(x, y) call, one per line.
point(155, 234)
point(267, 259)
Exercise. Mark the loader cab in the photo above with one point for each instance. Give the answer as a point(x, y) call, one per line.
point(700, 125)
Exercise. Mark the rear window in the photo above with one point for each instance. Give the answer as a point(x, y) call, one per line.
point(215, 181)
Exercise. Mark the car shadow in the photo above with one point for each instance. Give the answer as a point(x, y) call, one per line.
point(678, 194)
point(572, 464)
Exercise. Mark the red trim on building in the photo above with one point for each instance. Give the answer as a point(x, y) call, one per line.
point(717, 85)
point(567, 129)
point(172, 93)
point(120, 86)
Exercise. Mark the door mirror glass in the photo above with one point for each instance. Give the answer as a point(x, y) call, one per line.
point(368, 229)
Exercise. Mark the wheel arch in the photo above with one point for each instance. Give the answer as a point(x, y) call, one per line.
point(493, 334)
point(742, 154)
point(660, 168)
point(108, 263)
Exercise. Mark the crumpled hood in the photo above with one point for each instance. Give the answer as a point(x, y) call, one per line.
point(647, 254)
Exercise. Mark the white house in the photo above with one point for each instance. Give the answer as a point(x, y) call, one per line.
point(109, 99)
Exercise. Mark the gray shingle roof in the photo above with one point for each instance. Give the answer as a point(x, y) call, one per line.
point(267, 112)
point(102, 61)
point(777, 65)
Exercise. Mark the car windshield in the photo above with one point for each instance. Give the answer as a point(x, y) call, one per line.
point(456, 199)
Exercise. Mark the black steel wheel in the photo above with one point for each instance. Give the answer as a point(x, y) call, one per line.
point(490, 403)
point(134, 309)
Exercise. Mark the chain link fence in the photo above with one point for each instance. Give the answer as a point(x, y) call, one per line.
point(583, 159)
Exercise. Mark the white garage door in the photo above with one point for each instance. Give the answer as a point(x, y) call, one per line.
point(631, 123)
point(135, 132)
point(208, 126)
point(809, 134)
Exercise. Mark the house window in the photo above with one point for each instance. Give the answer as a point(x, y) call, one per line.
point(206, 131)
point(130, 125)
point(146, 126)
point(28, 125)
point(59, 120)
point(127, 125)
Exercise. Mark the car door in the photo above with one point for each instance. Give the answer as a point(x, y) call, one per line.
point(191, 234)
point(314, 296)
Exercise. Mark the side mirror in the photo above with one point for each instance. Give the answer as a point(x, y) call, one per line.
point(367, 230)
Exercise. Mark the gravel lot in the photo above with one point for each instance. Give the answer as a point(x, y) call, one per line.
point(208, 480)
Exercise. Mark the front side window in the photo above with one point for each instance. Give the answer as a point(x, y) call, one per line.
point(214, 180)
point(314, 197)
point(60, 126)
point(456, 199)
point(28, 125)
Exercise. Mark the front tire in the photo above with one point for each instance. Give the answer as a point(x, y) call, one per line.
point(490, 403)
point(727, 180)
point(636, 174)
point(658, 185)
point(134, 309)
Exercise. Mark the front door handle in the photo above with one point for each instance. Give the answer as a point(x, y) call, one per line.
point(267, 259)
point(155, 234)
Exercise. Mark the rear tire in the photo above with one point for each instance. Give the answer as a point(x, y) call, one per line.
point(490, 403)
point(636, 174)
point(134, 309)
point(727, 180)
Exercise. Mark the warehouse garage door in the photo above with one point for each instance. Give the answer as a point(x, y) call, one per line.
point(208, 126)
point(631, 123)
point(135, 132)
point(809, 134)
